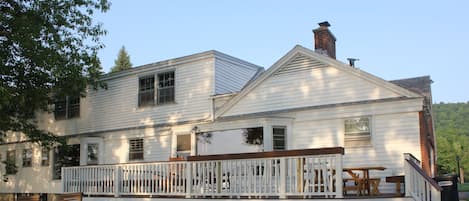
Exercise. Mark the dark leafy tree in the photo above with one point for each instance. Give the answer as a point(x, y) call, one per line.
point(47, 49)
point(452, 131)
point(122, 62)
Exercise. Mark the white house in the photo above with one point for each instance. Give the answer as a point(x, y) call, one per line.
point(288, 131)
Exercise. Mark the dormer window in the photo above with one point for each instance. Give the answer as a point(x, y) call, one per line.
point(165, 89)
point(146, 91)
point(67, 108)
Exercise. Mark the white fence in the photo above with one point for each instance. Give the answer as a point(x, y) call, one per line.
point(418, 184)
point(305, 173)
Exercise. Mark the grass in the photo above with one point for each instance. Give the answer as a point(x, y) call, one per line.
point(463, 187)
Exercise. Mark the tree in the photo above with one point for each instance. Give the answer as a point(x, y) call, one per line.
point(122, 62)
point(47, 49)
point(452, 135)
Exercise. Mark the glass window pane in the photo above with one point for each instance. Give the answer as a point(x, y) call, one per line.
point(136, 149)
point(183, 142)
point(93, 151)
point(45, 157)
point(230, 141)
point(27, 157)
point(278, 135)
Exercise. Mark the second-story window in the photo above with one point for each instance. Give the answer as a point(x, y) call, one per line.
point(164, 83)
point(45, 157)
point(27, 157)
point(165, 87)
point(67, 107)
point(10, 163)
point(146, 91)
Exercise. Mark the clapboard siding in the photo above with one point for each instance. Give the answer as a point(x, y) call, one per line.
point(230, 76)
point(309, 87)
point(392, 135)
point(117, 107)
point(157, 145)
point(23, 180)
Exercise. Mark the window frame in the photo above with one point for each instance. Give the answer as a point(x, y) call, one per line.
point(27, 161)
point(171, 88)
point(284, 138)
point(10, 153)
point(134, 153)
point(89, 160)
point(45, 153)
point(146, 91)
point(71, 107)
point(358, 139)
point(183, 153)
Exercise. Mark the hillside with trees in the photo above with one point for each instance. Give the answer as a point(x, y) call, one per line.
point(452, 131)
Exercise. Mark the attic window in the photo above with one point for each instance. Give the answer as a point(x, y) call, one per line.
point(357, 131)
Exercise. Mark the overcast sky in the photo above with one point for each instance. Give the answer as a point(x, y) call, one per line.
point(393, 39)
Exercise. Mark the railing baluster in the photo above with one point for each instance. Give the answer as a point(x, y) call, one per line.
point(282, 176)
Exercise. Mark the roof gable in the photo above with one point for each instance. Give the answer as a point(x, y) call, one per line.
point(302, 59)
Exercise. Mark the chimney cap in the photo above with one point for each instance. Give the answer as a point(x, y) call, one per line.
point(324, 24)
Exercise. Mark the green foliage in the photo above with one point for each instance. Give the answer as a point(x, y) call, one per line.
point(10, 167)
point(122, 62)
point(46, 48)
point(463, 187)
point(452, 131)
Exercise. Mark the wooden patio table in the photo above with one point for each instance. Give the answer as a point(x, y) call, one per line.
point(366, 174)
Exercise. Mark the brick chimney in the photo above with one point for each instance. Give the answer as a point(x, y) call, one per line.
point(324, 41)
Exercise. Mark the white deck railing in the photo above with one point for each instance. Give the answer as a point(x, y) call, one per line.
point(418, 184)
point(305, 173)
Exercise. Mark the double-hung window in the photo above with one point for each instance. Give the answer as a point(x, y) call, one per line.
point(136, 149)
point(10, 167)
point(93, 154)
point(27, 157)
point(45, 157)
point(67, 107)
point(148, 96)
point(278, 136)
point(165, 87)
point(146, 91)
point(357, 131)
point(183, 147)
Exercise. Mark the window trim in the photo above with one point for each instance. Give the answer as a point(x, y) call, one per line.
point(136, 151)
point(359, 141)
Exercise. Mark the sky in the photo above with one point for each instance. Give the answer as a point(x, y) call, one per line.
point(393, 39)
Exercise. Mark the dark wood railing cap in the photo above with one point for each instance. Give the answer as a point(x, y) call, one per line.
point(269, 154)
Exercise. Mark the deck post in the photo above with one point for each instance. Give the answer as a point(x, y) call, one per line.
point(283, 178)
point(188, 179)
point(117, 179)
point(407, 183)
point(338, 176)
